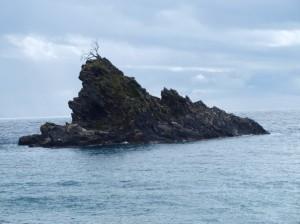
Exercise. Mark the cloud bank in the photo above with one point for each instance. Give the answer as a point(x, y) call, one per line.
point(242, 55)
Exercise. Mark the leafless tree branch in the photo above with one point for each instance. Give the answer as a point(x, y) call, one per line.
point(93, 52)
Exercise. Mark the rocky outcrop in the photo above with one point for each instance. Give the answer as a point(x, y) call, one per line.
point(112, 108)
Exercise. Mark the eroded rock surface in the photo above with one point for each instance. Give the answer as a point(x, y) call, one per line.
point(112, 108)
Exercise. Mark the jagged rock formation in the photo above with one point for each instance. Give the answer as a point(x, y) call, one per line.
point(112, 108)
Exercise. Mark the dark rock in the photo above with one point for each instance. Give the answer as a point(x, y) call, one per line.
point(112, 108)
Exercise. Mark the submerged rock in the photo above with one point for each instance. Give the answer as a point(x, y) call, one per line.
point(112, 108)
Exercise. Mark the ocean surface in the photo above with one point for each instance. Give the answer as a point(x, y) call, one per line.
point(248, 179)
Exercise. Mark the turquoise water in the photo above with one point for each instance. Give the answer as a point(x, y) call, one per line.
point(249, 179)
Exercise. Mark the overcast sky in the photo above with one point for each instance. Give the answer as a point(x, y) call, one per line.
point(240, 55)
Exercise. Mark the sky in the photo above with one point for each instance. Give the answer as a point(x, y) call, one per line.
point(239, 55)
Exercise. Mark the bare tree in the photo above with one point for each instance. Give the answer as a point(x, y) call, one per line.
point(93, 52)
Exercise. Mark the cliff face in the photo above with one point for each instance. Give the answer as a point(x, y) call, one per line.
point(112, 108)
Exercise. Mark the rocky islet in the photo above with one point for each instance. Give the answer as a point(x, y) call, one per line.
point(112, 108)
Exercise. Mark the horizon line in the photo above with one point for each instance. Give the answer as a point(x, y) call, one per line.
point(69, 116)
point(35, 117)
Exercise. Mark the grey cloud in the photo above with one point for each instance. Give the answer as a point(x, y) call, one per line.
point(237, 49)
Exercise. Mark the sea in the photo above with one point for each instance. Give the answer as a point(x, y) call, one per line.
point(247, 179)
